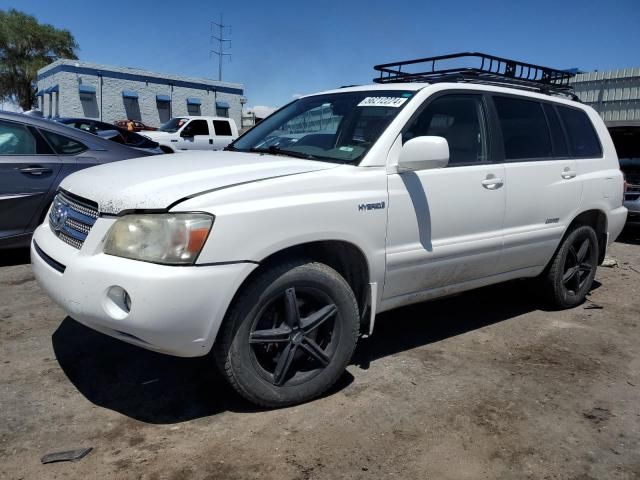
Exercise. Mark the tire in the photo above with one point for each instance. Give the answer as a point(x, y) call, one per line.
point(573, 268)
point(289, 334)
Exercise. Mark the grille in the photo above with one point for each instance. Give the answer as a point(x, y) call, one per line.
point(71, 218)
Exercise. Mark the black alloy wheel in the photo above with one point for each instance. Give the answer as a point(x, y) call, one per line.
point(295, 337)
point(577, 267)
point(289, 334)
point(570, 275)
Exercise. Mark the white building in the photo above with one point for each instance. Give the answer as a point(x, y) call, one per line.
point(615, 94)
point(68, 88)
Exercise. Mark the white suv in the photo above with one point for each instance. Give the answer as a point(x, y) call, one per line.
point(278, 258)
point(194, 133)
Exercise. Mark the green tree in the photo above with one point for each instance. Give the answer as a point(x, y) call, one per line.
point(25, 47)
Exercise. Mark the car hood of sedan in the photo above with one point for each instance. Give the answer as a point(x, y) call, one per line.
point(160, 182)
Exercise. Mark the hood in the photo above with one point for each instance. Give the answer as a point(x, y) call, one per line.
point(157, 134)
point(160, 181)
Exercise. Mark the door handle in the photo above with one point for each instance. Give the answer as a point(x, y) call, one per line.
point(35, 170)
point(568, 174)
point(211, 141)
point(491, 182)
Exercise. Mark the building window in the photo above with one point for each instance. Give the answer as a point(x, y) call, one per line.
point(193, 106)
point(222, 108)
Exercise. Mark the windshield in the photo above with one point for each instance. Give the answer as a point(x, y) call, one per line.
point(338, 127)
point(173, 125)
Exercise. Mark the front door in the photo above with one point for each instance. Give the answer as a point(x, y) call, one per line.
point(445, 225)
point(28, 169)
point(196, 135)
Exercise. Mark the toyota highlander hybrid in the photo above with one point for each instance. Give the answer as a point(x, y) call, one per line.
point(277, 253)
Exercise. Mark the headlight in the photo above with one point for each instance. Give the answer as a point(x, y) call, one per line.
point(169, 238)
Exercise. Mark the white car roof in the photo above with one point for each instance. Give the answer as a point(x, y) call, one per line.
point(416, 86)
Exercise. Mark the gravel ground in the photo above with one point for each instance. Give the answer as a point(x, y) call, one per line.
point(483, 385)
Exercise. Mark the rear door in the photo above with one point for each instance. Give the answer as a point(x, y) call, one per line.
point(28, 169)
point(223, 134)
point(543, 189)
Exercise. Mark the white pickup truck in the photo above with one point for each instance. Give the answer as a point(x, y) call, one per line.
point(194, 133)
point(278, 253)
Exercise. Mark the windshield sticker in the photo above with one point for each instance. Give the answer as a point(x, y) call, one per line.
point(346, 149)
point(382, 102)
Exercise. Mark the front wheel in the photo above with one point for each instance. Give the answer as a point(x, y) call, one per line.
point(289, 335)
point(572, 270)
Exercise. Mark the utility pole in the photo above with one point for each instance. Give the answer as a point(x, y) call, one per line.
point(221, 43)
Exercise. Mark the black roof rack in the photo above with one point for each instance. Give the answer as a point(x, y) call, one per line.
point(479, 68)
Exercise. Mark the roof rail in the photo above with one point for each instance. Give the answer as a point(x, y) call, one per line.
point(479, 68)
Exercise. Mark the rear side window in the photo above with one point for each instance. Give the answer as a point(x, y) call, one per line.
point(222, 127)
point(524, 128)
point(583, 140)
point(63, 145)
point(16, 139)
point(557, 134)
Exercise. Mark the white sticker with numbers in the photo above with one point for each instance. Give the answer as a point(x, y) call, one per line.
point(382, 102)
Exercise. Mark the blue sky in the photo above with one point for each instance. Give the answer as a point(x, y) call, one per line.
point(283, 49)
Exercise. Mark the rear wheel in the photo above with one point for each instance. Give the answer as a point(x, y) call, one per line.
point(571, 273)
point(289, 335)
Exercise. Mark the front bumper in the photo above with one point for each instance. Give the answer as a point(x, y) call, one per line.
point(174, 309)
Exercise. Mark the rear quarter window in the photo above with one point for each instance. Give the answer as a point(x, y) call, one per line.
point(583, 140)
point(63, 145)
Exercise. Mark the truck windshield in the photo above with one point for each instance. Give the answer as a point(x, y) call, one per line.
point(173, 125)
point(337, 127)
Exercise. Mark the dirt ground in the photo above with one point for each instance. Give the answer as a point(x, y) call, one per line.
point(483, 385)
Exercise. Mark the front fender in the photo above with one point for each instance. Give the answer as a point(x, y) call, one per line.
point(256, 220)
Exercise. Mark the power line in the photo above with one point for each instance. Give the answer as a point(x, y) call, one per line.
point(221, 43)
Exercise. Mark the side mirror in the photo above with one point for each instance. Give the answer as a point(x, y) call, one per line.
point(186, 132)
point(423, 153)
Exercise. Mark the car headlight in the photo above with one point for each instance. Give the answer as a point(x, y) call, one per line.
point(168, 238)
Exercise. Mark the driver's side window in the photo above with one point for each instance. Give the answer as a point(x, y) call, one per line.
point(196, 127)
point(461, 120)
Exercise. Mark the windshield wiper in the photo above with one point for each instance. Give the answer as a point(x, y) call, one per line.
point(278, 151)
